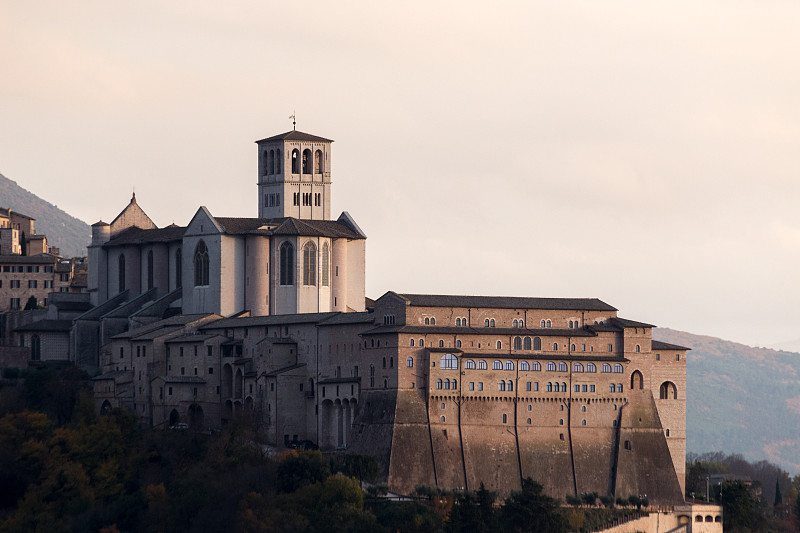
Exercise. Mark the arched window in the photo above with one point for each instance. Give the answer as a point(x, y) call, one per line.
point(306, 161)
point(577, 367)
point(551, 366)
point(637, 380)
point(563, 387)
point(537, 343)
point(411, 342)
point(562, 366)
point(178, 268)
point(433, 321)
point(121, 272)
point(556, 387)
point(549, 324)
point(287, 263)
point(295, 161)
point(605, 369)
point(510, 386)
point(549, 387)
point(572, 347)
point(536, 366)
point(555, 346)
point(497, 365)
point(526, 343)
point(448, 362)
point(509, 365)
point(502, 385)
point(482, 365)
point(439, 384)
point(458, 321)
point(590, 367)
point(36, 348)
point(200, 265)
point(318, 162)
point(455, 384)
point(277, 161)
point(427, 321)
point(267, 161)
point(441, 344)
point(612, 388)
point(618, 368)
point(325, 265)
point(486, 323)
point(447, 384)
point(499, 345)
point(523, 365)
point(458, 344)
point(391, 362)
point(515, 322)
point(668, 391)
point(491, 323)
point(410, 362)
point(517, 343)
point(470, 364)
point(422, 342)
point(505, 418)
point(543, 324)
point(638, 348)
point(309, 264)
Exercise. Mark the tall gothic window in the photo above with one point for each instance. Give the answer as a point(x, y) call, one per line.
point(178, 268)
point(325, 265)
point(287, 264)
point(121, 272)
point(149, 270)
point(295, 161)
point(201, 265)
point(309, 264)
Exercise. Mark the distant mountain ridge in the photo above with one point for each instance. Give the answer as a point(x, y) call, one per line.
point(741, 399)
point(64, 231)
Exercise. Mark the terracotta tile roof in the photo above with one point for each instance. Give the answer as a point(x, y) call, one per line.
point(286, 226)
point(505, 332)
point(295, 135)
point(658, 345)
point(625, 323)
point(507, 302)
point(41, 259)
point(250, 321)
point(58, 326)
point(136, 235)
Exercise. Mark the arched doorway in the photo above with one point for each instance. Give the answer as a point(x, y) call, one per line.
point(195, 417)
point(105, 408)
point(637, 380)
point(174, 417)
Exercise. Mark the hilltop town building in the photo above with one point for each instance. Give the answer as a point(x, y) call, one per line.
point(266, 318)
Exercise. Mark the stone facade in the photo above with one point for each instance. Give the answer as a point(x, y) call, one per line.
point(266, 319)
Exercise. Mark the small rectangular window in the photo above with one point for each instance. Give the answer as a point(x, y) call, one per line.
point(591, 388)
point(528, 386)
point(677, 357)
point(536, 386)
point(610, 347)
point(210, 370)
point(584, 388)
point(480, 385)
point(577, 388)
point(170, 391)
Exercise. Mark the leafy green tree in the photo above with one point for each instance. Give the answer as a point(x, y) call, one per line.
point(531, 511)
point(31, 303)
point(473, 512)
point(300, 468)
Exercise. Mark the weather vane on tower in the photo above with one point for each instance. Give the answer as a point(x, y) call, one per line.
point(294, 123)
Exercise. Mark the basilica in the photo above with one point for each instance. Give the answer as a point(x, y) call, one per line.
point(266, 319)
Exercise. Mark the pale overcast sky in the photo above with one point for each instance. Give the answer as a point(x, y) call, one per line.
point(642, 153)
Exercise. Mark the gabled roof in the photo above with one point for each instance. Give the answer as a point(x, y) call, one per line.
point(136, 235)
point(625, 323)
point(288, 226)
point(295, 135)
point(268, 320)
point(507, 302)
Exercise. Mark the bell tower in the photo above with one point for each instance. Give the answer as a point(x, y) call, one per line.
point(294, 176)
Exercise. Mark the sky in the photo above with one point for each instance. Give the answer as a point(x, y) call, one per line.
point(642, 153)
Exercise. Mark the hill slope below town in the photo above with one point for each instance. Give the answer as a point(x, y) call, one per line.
point(64, 231)
point(741, 399)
